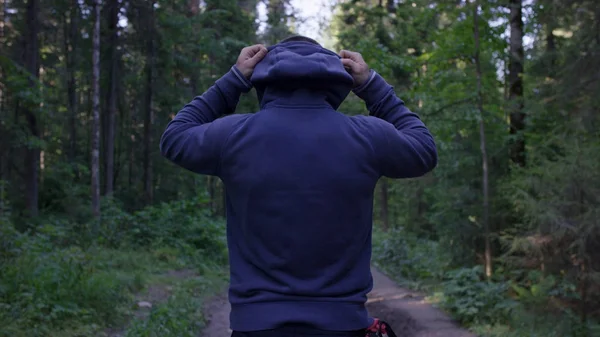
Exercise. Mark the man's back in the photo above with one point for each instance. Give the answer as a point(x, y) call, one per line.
point(299, 178)
point(300, 194)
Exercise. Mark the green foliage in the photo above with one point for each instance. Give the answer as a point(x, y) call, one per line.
point(472, 299)
point(183, 224)
point(58, 280)
point(406, 257)
point(181, 315)
point(524, 323)
point(50, 289)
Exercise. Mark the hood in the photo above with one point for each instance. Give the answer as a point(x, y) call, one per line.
point(301, 73)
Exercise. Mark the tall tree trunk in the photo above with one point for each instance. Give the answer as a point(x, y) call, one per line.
point(2, 21)
point(32, 152)
point(515, 78)
point(482, 142)
point(149, 115)
point(391, 6)
point(248, 6)
point(550, 47)
point(4, 147)
point(384, 214)
point(277, 20)
point(224, 199)
point(211, 195)
point(71, 39)
point(109, 147)
point(194, 6)
point(95, 162)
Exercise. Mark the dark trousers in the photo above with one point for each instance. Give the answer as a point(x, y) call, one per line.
point(298, 331)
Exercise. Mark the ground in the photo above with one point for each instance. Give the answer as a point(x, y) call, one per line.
point(405, 310)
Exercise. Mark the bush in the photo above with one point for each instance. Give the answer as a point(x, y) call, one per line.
point(50, 289)
point(471, 299)
point(60, 278)
point(405, 256)
point(182, 224)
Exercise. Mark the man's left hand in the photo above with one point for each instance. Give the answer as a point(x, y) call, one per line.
point(249, 58)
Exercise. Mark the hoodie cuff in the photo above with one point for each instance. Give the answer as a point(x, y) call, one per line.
point(247, 84)
point(373, 90)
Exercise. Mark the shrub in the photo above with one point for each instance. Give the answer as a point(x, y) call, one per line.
point(405, 256)
point(182, 224)
point(50, 289)
point(471, 299)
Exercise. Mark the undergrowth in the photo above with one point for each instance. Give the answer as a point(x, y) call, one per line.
point(59, 278)
point(499, 307)
point(181, 315)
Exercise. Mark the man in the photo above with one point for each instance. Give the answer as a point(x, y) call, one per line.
point(299, 178)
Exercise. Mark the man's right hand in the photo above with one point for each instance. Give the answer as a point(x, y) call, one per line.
point(356, 66)
point(249, 58)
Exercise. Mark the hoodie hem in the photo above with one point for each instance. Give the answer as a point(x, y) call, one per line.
point(339, 316)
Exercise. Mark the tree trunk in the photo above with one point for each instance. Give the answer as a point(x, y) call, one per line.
point(95, 162)
point(384, 214)
point(550, 49)
point(71, 39)
point(109, 147)
point(3, 21)
point(224, 191)
point(482, 145)
point(515, 78)
point(32, 152)
point(149, 115)
point(211, 194)
point(391, 6)
point(248, 6)
point(194, 6)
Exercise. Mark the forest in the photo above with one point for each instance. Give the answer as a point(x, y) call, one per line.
point(504, 235)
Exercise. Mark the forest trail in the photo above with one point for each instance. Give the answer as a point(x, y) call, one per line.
point(405, 310)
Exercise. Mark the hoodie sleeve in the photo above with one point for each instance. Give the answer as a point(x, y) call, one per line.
point(403, 144)
point(194, 138)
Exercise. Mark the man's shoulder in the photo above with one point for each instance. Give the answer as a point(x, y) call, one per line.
point(369, 122)
point(233, 119)
point(225, 125)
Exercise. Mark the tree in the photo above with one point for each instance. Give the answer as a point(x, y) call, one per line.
point(28, 109)
point(111, 111)
point(148, 101)
point(482, 145)
point(277, 21)
point(515, 79)
point(95, 156)
point(71, 34)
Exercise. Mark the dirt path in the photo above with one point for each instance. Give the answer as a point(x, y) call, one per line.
point(405, 310)
point(217, 314)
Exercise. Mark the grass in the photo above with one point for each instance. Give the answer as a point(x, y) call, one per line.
point(63, 278)
point(181, 315)
point(72, 292)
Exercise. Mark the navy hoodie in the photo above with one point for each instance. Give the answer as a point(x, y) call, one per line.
point(300, 178)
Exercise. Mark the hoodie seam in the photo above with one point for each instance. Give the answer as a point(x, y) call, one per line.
point(295, 107)
point(234, 128)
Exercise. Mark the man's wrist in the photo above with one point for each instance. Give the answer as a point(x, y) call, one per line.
point(363, 86)
point(373, 90)
point(241, 77)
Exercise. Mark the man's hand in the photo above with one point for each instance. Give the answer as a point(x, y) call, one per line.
point(249, 58)
point(356, 66)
